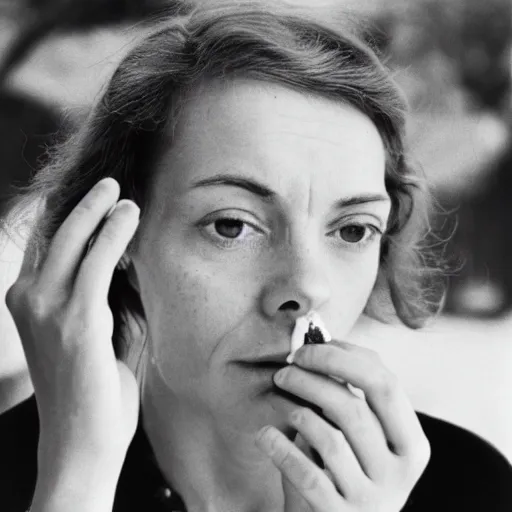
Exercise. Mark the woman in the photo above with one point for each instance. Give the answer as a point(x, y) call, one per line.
point(258, 155)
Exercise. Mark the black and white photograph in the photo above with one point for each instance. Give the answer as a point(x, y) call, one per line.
point(255, 256)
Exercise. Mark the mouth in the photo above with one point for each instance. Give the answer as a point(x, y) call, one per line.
point(263, 368)
point(273, 361)
point(262, 365)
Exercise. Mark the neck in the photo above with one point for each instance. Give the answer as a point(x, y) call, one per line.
point(213, 468)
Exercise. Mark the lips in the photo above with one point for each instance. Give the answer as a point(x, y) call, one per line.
point(269, 361)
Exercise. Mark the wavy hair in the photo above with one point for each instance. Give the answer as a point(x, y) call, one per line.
point(123, 134)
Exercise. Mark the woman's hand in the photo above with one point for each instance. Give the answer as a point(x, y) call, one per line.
point(87, 400)
point(373, 447)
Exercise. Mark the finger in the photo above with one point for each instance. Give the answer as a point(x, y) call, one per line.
point(308, 480)
point(293, 500)
point(95, 274)
point(69, 244)
point(363, 369)
point(308, 450)
point(337, 454)
point(350, 414)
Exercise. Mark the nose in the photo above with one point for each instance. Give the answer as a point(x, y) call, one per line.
point(299, 284)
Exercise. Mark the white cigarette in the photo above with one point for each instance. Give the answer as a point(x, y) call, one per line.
point(301, 328)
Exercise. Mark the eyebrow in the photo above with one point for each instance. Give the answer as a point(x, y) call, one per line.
point(230, 180)
point(261, 190)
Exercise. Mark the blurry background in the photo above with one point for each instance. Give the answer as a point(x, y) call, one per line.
point(453, 58)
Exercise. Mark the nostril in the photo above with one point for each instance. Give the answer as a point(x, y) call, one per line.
point(290, 304)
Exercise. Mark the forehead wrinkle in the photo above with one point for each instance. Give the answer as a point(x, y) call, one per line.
point(306, 136)
point(310, 197)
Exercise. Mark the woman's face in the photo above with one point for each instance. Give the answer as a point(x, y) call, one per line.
point(269, 204)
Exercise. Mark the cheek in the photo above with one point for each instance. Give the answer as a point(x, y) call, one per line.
point(191, 311)
point(352, 289)
point(190, 305)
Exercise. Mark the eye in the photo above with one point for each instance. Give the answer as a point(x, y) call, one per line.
point(228, 231)
point(229, 228)
point(354, 233)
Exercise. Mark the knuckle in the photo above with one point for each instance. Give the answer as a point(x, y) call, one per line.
point(305, 475)
point(358, 412)
point(283, 456)
point(310, 479)
point(292, 466)
point(78, 319)
point(304, 414)
point(415, 463)
point(384, 383)
point(373, 356)
point(78, 307)
point(333, 446)
point(13, 297)
point(37, 303)
point(70, 325)
point(421, 456)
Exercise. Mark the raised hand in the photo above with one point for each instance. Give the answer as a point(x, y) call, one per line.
point(87, 400)
point(373, 446)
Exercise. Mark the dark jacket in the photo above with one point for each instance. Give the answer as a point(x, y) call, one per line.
point(465, 473)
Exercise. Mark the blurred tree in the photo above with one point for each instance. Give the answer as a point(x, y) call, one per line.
point(26, 127)
point(476, 36)
point(47, 16)
point(453, 60)
point(468, 42)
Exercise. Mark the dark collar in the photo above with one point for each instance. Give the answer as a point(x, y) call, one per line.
point(142, 484)
point(465, 472)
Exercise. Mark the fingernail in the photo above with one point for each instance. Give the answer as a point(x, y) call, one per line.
point(128, 208)
point(263, 437)
point(280, 375)
point(127, 204)
point(297, 357)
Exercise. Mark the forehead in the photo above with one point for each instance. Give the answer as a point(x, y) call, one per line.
point(275, 133)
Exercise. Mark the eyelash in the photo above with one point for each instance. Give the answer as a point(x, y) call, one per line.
point(371, 233)
point(227, 243)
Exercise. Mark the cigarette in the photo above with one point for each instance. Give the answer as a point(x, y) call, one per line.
point(309, 329)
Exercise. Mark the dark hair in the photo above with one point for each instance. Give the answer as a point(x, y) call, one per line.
point(122, 136)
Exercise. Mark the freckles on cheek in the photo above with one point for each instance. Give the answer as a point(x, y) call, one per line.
point(183, 288)
point(197, 300)
point(180, 321)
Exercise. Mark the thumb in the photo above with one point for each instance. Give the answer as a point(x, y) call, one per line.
point(130, 398)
